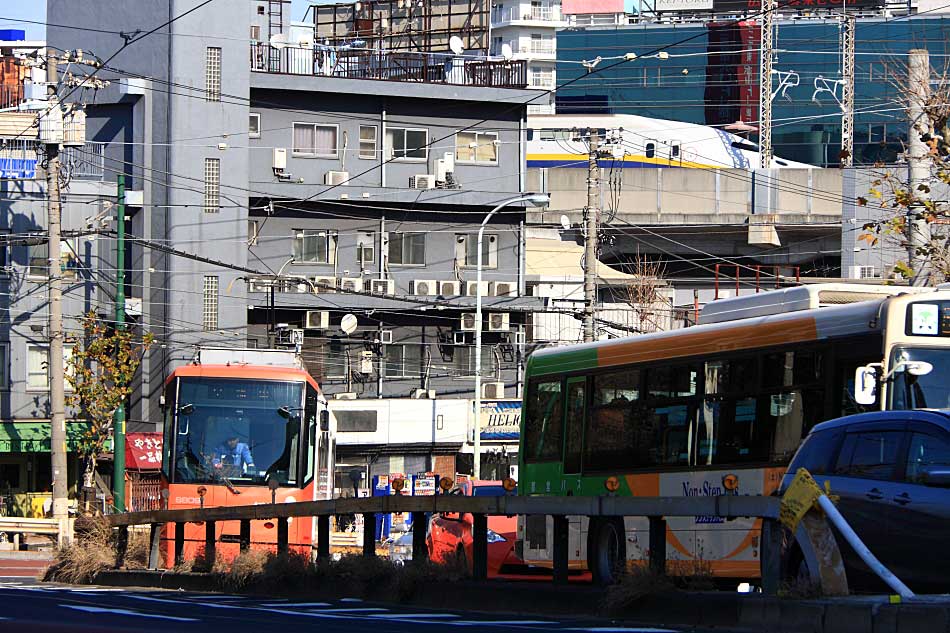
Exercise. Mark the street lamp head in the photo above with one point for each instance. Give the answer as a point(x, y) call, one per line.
point(538, 200)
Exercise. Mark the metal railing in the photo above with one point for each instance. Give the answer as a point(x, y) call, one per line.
point(543, 47)
point(356, 63)
point(11, 95)
point(85, 163)
point(544, 13)
point(656, 509)
point(18, 158)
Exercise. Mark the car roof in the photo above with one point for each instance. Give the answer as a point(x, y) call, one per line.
point(940, 417)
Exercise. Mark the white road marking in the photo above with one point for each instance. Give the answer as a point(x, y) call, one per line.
point(500, 623)
point(179, 602)
point(295, 605)
point(619, 629)
point(350, 600)
point(156, 616)
point(416, 616)
point(349, 610)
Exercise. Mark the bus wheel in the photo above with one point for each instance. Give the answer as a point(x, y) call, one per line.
point(606, 550)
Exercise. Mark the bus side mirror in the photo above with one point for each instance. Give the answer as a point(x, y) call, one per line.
point(325, 420)
point(865, 385)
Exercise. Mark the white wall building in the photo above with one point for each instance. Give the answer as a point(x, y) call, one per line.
point(528, 27)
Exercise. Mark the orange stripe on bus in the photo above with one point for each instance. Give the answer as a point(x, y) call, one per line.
point(719, 340)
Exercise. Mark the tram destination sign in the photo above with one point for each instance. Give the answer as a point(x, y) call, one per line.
point(754, 6)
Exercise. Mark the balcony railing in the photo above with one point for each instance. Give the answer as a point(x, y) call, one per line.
point(550, 13)
point(353, 63)
point(85, 163)
point(11, 95)
point(543, 47)
point(19, 160)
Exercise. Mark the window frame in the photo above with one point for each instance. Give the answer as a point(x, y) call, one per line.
point(67, 352)
point(314, 154)
point(210, 303)
point(212, 187)
point(4, 365)
point(332, 238)
point(68, 247)
point(402, 235)
point(898, 468)
point(369, 154)
point(490, 241)
point(250, 133)
point(496, 143)
point(213, 74)
point(391, 151)
point(365, 240)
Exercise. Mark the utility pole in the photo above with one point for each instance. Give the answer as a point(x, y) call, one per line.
point(765, 83)
point(847, 90)
point(918, 183)
point(118, 418)
point(55, 360)
point(590, 235)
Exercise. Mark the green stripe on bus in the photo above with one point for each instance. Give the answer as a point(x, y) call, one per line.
point(562, 362)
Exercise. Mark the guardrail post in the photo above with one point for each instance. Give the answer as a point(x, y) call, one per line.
point(155, 546)
point(121, 546)
point(282, 540)
point(210, 544)
point(245, 536)
point(771, 556)
point(479, 546)
point(658, 545)
point(420, 552)
point(369, 534)
point(560, 548)
point(323, 537)
point(179, 544)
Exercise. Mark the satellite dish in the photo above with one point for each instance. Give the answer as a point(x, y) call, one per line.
point(506, 51)
point(565, 222)
point(455, 43)
point(348, 324)
point(278, 40)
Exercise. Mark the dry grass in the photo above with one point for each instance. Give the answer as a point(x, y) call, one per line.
point(640, 583)
point(94, 551)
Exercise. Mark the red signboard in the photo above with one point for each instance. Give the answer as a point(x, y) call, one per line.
point(143, 451)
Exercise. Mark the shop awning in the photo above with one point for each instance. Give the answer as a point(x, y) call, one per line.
point(554, 260)
point(34, 437)
point(143, 451)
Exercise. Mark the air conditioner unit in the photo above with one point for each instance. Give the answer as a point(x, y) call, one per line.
point(280, 158)
point(861, 272)
point(381, 286)
point(336, 177)
point(423, 287)
point(468, 322)
point(352, 284)
point(459, 338)
point(450, 288)
point(324, 285)
point(471, 288)
point(498, 322)
point(317, 320)
point(493, 390)
point(504, 289)
point(422, 181)
point(386, 337)
point(345, 395)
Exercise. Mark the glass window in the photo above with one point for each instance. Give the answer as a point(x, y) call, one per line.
point(731, 376)
point(365, 248)
point(37, 370)
point(792, 414)
point(544, 422)
point(356, 421)
point(213, 74)
point(466, 250)
point(315, 247)
point(488, 491)
point(237, 430)
point(407, 143)
point(926, 452)
point(818, 452)
point(368, 141)
point(402, 360)
point(4, 364)
point(315, 140)
point(212, 185)
point(672, 381)
point(931, 390)
point(209, 315)
point(869, 455)
point(39, 261)
point(730, 433)
point(576, 412)
point(650, 150)
point(617, 387)
point(254, 125)
point(407, 249)
point(476, 147)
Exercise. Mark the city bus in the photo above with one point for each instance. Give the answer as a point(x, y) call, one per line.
point(241, 426)
point(716, 409)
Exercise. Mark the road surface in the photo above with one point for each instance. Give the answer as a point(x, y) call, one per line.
point(33, 607)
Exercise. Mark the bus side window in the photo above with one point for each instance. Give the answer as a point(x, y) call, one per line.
point(576, 409)
point(544, 422)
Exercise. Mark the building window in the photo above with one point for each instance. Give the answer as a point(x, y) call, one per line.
point(407, 249)
point(316, 141)
point(365, 248)
point(407, 143)
point(253, 232)
point(255, 33)
point(356, 421)
point(476, 147)
point(403, 360)
point(213, 74)
point(254, 125)
point(4, 364)
point(209, 312)
point(39, 260)
point(37, 366)
point(368, 141)
point(4, 236)
point(315, 247)
point(466, 250)
point(212, 185)
point(260, 9)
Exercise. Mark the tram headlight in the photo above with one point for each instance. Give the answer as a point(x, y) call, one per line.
point(612, 484)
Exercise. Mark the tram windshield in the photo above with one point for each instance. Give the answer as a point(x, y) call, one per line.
point(236, 430)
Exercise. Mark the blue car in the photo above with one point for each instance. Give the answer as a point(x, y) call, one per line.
point(891, 470)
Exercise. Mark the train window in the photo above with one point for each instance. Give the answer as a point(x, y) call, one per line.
point(674, 151)
point(530, 134)
point(651, 150)
point(749, 147)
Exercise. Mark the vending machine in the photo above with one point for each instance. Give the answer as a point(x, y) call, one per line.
point(396, 521)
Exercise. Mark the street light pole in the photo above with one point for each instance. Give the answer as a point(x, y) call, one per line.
point(537, 200)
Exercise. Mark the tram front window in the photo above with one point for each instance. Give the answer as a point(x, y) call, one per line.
point(914, 390)
point(236, 430)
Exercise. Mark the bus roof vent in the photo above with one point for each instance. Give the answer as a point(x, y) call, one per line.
point(796, 299)
point(238, 356)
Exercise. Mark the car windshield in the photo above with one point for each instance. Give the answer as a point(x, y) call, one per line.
point(931, 390)
point(488, 491)
point(237, 430)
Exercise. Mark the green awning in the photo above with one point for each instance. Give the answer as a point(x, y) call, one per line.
point(34, 437)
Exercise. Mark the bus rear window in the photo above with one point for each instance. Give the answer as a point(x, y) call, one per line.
point(544, 422)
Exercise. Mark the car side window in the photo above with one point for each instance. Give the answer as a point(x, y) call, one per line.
point(869, 455)
point(926, 452)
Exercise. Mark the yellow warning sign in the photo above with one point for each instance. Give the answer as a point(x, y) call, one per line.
point(798, 499)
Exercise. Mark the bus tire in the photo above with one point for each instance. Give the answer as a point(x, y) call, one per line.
point(606, 550)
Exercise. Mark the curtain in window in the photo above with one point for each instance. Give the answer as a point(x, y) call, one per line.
point(325, 140)
point(304, 139)
point(463, 149)
point(487, 151)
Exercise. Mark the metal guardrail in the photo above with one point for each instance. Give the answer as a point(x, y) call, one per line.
point(23, 525)
point(656, 509)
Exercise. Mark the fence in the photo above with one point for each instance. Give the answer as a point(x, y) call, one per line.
point(355, 63)
point(656, 509)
